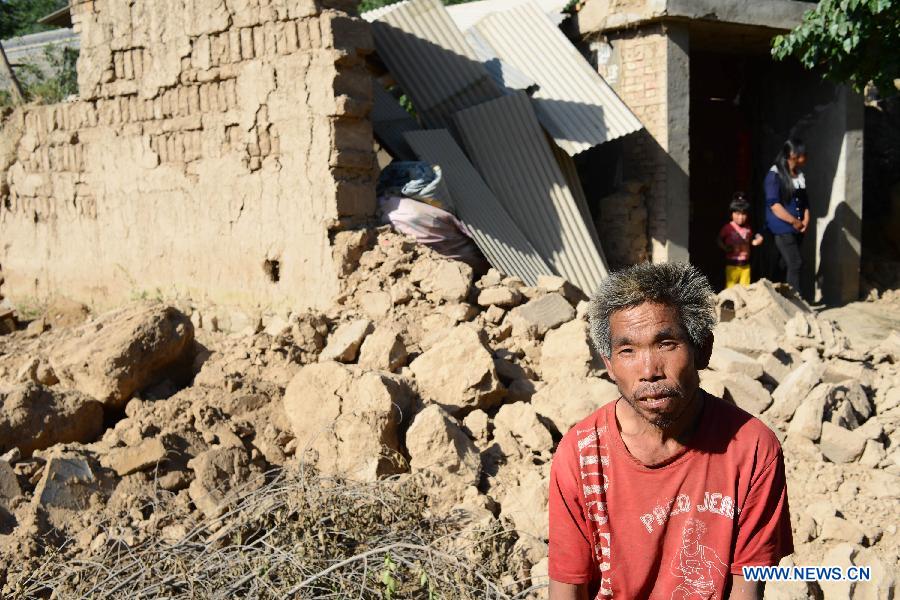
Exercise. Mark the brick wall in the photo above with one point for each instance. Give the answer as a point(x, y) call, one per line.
point(209, 138)
point(640, 68)
point(622, 225)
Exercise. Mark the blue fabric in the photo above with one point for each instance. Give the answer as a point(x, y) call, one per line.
point(795, 206)
point(414, 179)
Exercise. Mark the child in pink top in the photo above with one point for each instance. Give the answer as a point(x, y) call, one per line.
point(735, 238)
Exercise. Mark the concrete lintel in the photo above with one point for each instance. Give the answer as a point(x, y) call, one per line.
point(599, 16)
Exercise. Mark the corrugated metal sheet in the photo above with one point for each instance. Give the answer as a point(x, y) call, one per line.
point(390, 121)
point(576, 107)
point(570, 172)
point(506, 144)
point(496, 234)
point(431, 59)
point(372, 15)
point(466, 14)
point(505, 75)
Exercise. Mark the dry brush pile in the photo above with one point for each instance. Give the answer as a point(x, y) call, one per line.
point(396, 445)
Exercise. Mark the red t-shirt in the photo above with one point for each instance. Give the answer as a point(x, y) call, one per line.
point(674, 531)
point(739, 239)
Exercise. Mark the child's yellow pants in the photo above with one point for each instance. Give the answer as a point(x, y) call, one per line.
point(737, 274)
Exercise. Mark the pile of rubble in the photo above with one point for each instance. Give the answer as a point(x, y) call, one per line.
point(143, 424)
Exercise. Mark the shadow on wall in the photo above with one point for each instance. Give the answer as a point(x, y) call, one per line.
point(823, 131)
point(647, 161)
point(814, 111)
point(838, 248)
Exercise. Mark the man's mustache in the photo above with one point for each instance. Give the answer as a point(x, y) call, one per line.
point(658, 389)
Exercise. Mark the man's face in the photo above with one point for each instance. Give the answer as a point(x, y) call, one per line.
point(653, 362)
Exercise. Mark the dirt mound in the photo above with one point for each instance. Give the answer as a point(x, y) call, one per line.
point(440, 396)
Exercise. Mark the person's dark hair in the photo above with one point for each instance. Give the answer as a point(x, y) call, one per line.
point(791, 146)
point(679, 285)
point(739, 202)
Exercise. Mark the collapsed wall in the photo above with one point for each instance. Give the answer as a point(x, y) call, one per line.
point(214, 148)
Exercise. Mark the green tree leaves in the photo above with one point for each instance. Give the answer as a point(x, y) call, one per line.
point(851, 41)
point(19, 17)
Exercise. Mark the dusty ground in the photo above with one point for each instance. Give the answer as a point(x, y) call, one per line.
point(406, 435)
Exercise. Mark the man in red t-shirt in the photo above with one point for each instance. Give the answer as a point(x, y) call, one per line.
point(668, 492)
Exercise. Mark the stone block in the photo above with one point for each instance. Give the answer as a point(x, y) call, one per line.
point(500, 296)
point(566, 352)
point(9, 484)
point(809, 415)
point(68, 481)
point(376, 305)
point(476, 425)
point(537, 317)
point(458, 372)
point(343, 344)
point(219, 473)
point(383, 350)
point(730, 361)
point(713, 382)
point(840, 445)
point(448, 280)
point(840, 555)
point(872, 429)
point(747, 393)
point(883, 585)
point(873, 454)
point(33, 417)
point(795, 387)
point(132, 459)
point(436, 443)
point(345, 421)
point(521, 422)
point(122, 352)
point(566, 401)
point(354, 199)
point(837, 529)
point(745, 337)
point(490, 279)
point(776, 365)
point(856, 396)
point(560, 285)
point(522, 390)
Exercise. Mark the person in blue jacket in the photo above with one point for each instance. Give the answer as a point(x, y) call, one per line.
point(787, 207)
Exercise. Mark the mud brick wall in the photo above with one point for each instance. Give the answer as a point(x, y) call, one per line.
point(215, 148)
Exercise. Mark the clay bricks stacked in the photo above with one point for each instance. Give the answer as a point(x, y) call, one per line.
point(622, 225)
point(641, 83)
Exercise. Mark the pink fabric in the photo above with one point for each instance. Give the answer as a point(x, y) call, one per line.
point(431, 226)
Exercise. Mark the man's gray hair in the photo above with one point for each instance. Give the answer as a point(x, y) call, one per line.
point(679, 285)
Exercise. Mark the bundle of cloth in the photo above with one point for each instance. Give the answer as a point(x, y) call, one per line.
point(413, 199)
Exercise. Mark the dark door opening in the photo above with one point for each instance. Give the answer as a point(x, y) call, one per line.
point(721, 158)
